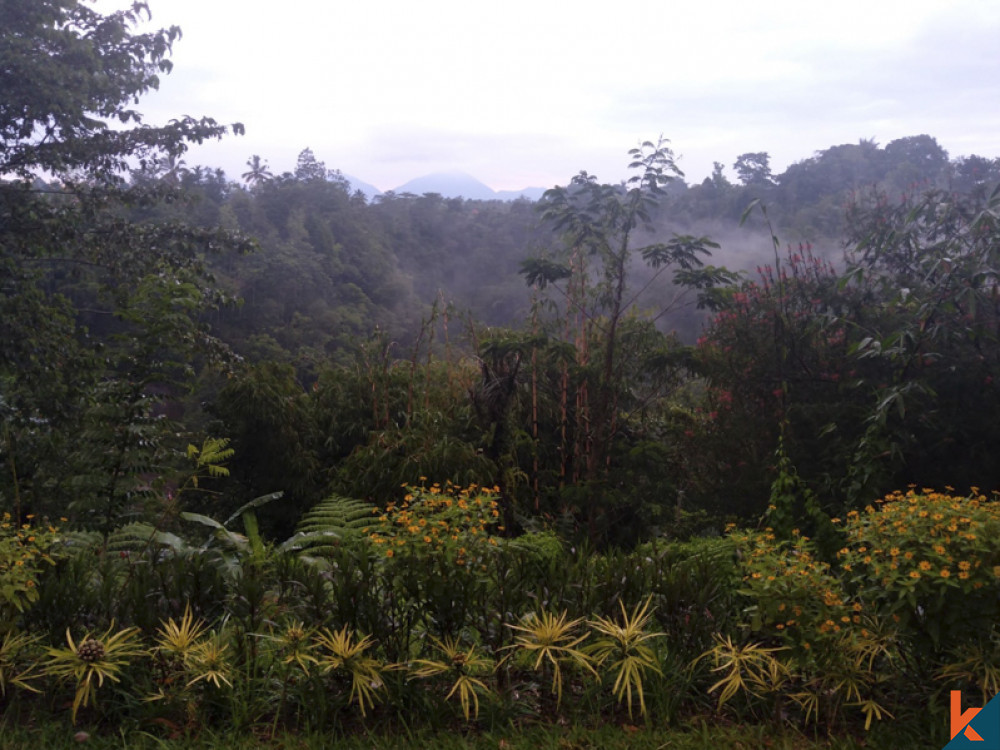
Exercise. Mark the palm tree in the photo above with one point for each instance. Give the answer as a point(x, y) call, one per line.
point(258, 174)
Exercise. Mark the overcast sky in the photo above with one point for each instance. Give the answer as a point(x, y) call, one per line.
point(529, 92)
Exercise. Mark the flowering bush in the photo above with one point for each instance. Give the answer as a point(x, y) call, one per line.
point(776, 352)
point(451, 521)
point(931, 560)
point(24, 550)
point(795, 594)
point(434, 548)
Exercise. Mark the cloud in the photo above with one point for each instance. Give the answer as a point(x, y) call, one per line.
point(530, 93)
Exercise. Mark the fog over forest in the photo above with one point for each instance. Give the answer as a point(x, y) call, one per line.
point(628, 462)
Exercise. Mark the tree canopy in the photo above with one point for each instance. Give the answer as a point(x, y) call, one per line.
point(102, 312)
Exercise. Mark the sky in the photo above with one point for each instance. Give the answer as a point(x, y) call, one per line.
point(527, 93)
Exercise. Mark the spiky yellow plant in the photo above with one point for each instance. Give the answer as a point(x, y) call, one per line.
point(208, 662)
point(461, 666)
point(626, 646)
point(178, 639)
point(750, 668)
point(92, 660)
point(976, 665)
point(294, 645)
point(13, 670)
point(341, 652)
point(552, 641)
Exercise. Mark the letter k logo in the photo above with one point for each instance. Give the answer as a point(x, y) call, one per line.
point(960, 721)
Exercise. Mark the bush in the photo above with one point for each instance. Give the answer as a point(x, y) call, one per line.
point(929, 560)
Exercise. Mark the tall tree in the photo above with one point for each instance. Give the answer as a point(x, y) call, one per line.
point(600, 222)
point(101, 315)
point(258, 172)
point(754, 168)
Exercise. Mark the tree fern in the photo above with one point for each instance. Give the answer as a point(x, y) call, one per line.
point(329, 524)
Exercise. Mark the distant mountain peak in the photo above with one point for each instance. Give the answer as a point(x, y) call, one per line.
point(452, 184)
point(459, 184)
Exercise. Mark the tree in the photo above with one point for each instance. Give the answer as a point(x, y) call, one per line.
point(975, 173)
point(258, 173)
point(68, 71)
point(101, 315)
point(917, 161)
point(308, 167)
point(718, 179)
point(754, 168)
point(599, 225)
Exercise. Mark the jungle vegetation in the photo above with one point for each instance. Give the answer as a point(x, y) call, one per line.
point(620, 408)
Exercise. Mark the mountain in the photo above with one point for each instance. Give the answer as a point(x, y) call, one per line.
point(450, 185)
point(531, 193)
point(369, 190)
point(462, 185)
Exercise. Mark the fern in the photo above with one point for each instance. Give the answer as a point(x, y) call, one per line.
point(131, 538)
point(329, 524)
point(210, 457)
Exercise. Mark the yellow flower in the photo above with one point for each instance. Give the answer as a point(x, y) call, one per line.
point(389, 553)
point(914, 574)
point(945, 573)
point(924, 565)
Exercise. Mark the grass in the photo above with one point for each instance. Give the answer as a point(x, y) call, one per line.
point(605, 737)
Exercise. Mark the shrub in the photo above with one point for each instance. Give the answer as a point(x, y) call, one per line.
point(24, 553)
point(930, 560)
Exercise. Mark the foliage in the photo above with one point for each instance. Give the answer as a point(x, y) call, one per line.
point(340, 652)
point(792, 590)
point(452, 522)
point(552, 641)
point(695, 735)
point(749, 668)
point(17, 669)
point(601, 222)
point(927, 268)
point(864, 373)
point(330, 523)
point(463, 667)
point(624, 647)
point(87, 662)
point(930, 561)
point(776, 360)
point(103, 309)
point(25, 550)
point(911, 595)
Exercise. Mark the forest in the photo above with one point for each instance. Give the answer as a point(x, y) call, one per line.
point(278, 459)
